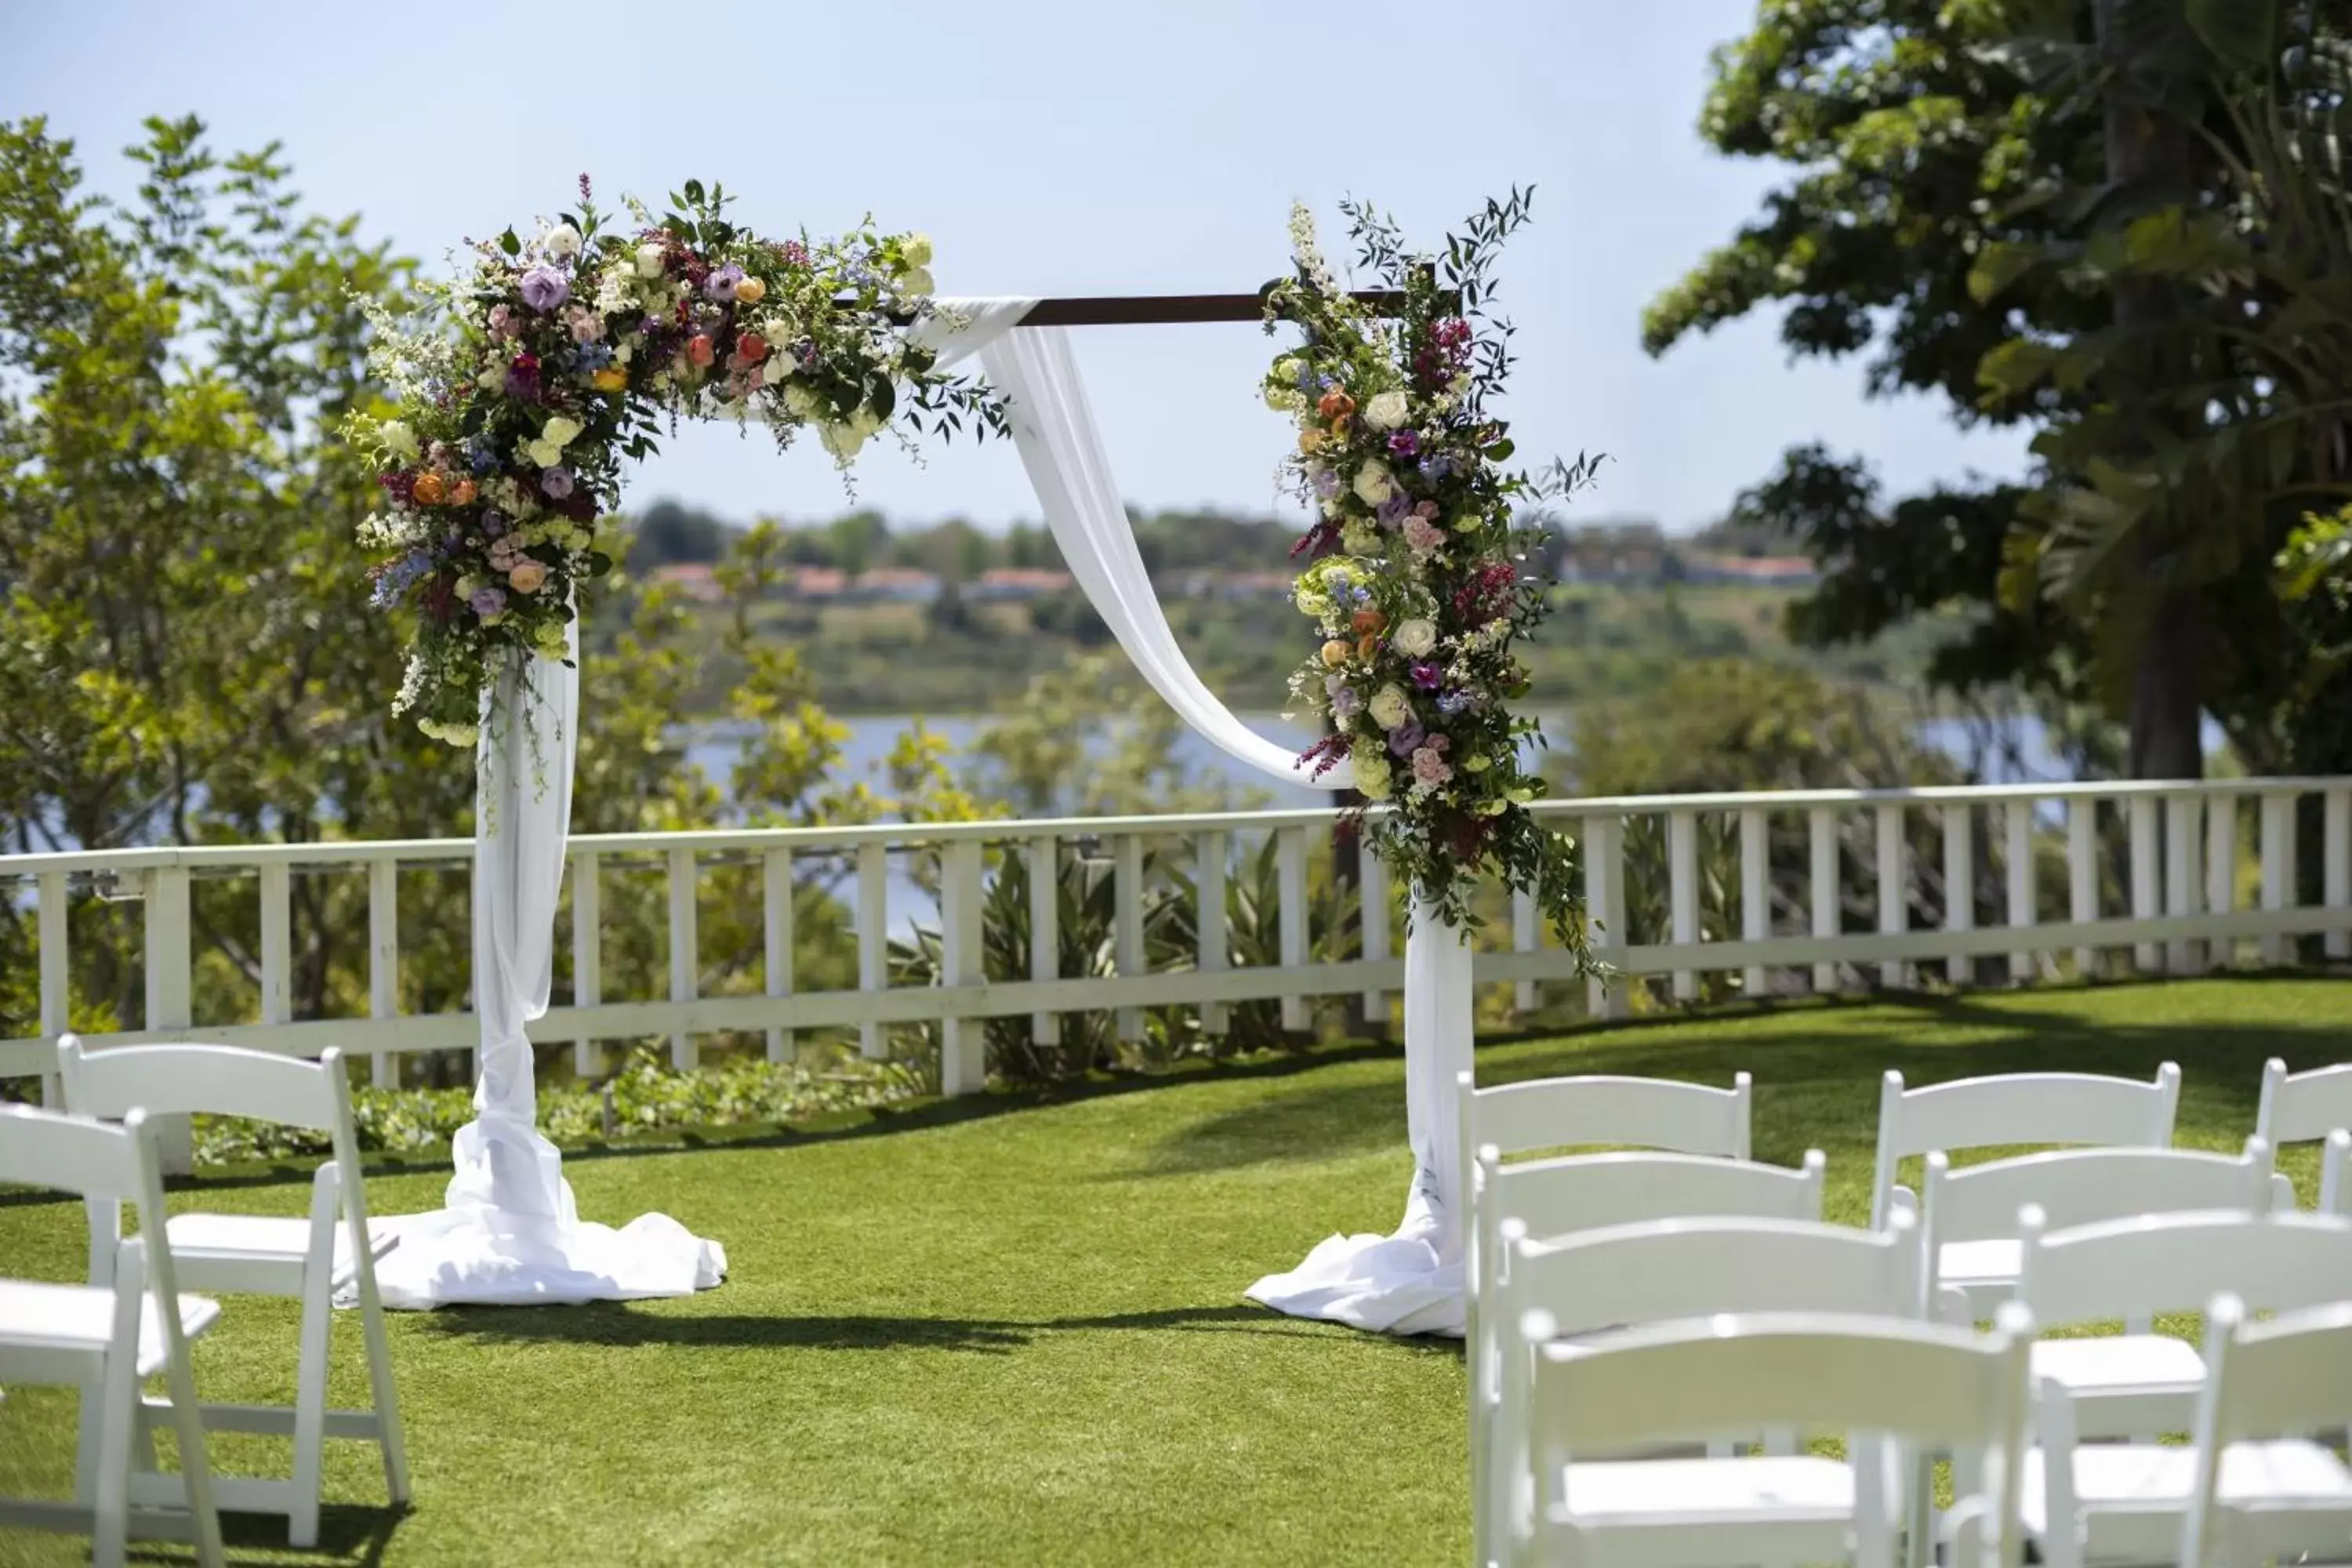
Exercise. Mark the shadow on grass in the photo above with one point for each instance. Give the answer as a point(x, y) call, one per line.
point(629, 1325)
point(348, 1536)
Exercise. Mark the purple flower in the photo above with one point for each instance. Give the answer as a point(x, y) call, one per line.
point(1405, 737)
point(1405, 444)
point(487, 600)
point(1427, 676)
point(479, 456)
point(721, 284)
point(556, 482)
point(494, 523)
point(1436, 465)
point(1346, 701)
point(544, 287)
point(522, 377)
point(1327, 484)
point(1454, 702)
point(1394, 511)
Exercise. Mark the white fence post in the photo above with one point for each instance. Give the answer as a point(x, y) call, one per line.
point(383, 964)
point(2181, 866)
point(2278, 868)
point(57, 977)
point(1214, 933)
point(2083, 877)
point(1828, 902)
point(169, 1002)
point(2221, 872)
point(277, 943)
point(685, 954)
point(873, 942)
point(1682, 894)
point(2147, 890)
point(2024, 890)
point(1604, 903)
point(2335, 851)
point(1127, 899)
point(1755, 895)
point(1045, 862)
point(1894, 888)
point(1290, 878)
point(963, 1042)
point(1527, 936)
point(1959, 884)
point(1372, 896)
point(779, 939)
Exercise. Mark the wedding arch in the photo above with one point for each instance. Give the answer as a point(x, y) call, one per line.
point(556, 357)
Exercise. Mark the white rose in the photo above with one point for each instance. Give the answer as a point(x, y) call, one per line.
point(544, 453)
point(1372, 483)
point(1390, 706)
point(561, 242)
point(917, 280)
point(649, 261)
point(918, 250)
point(1386, 411)
point(400, 440)
point(1415, 637)
point(560, 431)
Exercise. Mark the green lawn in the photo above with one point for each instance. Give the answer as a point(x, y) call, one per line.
point(1014, 1333)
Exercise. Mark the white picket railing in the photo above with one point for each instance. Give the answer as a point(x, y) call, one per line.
point(2186, 853)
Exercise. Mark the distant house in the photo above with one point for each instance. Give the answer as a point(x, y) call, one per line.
point(691, 578)
point(1758, 571)
point(1616, 552)
point(819, 583)
point(897, 586)
point(1010, 583)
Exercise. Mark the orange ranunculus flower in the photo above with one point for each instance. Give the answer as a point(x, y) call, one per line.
point(462, 493)
point(750, 291)
point(701, 350)
point(612, 378)
point(1369, 621)
point(430, 490)
point(1310, 441)
point(1335, 405)
point(1367, 645)
point(751, 347)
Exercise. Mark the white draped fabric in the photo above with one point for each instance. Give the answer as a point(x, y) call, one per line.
point(1406, 1283)
point(510, 1233)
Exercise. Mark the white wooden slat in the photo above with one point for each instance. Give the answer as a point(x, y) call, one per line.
point(277, 943)
point(2222, 870)
point(1045, 929)
point(1682, 894)
point(2278, 867)
point(1527, 936)
point(1290, 875)
point(776, 913)
point(685, 953)
point(1755, 894)
point(2147, 889)
point(1828, 905)
point(1215, 933)
point(1893, 886)
point(56, 972)
point(2335, 851)
point(2022, 875)
point(873, 941)
point(169, 998)
point(963, 1042)
point(1604, 903)
point(2183, 862)
point(2083, 877)
point(1127, 899)
point(1959, 884)
point(383, 962)
point(1380, 933)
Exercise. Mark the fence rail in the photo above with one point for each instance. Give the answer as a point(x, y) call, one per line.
point(1801, 890)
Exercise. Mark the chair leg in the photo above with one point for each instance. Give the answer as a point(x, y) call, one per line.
point(91, 1427)
point(117, 1397)
point(388, 1400)
point(310, 1410)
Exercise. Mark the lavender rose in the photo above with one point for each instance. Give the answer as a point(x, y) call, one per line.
point(556, 482)
point(544, 287)
point(488, 602)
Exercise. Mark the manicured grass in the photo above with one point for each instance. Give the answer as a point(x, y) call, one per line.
point(1014, 1333)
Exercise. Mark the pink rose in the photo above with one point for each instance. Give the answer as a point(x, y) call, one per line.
point(527, 576)
point(1421, 536)
point(587, 325)
point(1430, 767)
point(1427, 509)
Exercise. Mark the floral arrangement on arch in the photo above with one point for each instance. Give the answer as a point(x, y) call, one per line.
point(531, 377)
point(1417, 569)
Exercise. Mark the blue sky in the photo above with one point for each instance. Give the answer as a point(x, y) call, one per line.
point(1053, 146)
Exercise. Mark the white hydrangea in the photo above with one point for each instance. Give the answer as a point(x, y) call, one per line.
point(561, 242)
point(1386, 411)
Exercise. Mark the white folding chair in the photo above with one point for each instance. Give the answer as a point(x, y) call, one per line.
point(2335, 1173)
point(1971, 1215)
point(2256, 1501)
point(106, 1339)
point(1871, 1379)
point(1589, 1192)
point(2118, 1385)
point(308, 1259)
point(1567, 1112)
point(2016, 1110)
point(1597, 1280)
point(2299, 1107)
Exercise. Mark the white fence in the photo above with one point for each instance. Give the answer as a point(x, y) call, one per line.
point(2207, 877)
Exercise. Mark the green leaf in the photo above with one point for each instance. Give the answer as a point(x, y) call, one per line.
point(2239, 32)
point(510, 244)
point(1998, 266)
point(694, 192)
point(1500, 451)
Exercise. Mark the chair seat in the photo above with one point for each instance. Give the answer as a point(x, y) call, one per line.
point(1685, 1491)
point(40, 1317)
point(1975, 1265)
point(2147, 1487)
point(209, 1247)
point(2117, 1364)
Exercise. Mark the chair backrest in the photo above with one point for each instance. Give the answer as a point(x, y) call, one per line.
point(2298, 1107)
point(2084, 1186)
point(1808, 1373)
point(2335, 1174)
point(1623, 1113)
point(220, 1080)
point(2017, 1109)
point(2162, 1263)
point(2291, 1375)
point(71, 1153)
